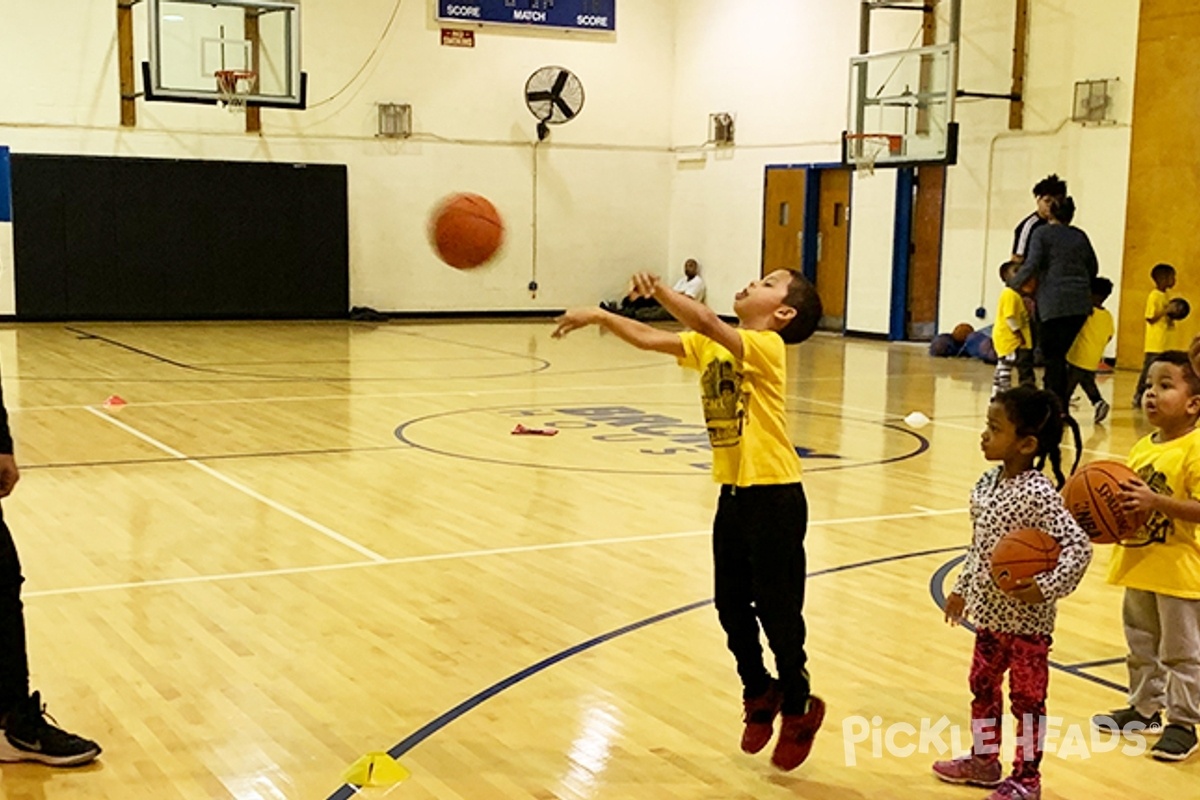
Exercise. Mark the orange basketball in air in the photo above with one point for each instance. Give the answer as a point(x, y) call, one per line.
point(1092, 496)
point(1023, 554)
point(466, 230)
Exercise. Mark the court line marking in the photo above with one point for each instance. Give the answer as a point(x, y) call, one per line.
point(349, 395)
point(357, 396)
point(246, 490)
point(464, 554)
point(943, 423)
point(347, 791)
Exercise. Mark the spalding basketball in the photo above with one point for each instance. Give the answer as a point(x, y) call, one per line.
point(961, 331)
point(1023, 554)
point(466, 230)
point(1092, 496)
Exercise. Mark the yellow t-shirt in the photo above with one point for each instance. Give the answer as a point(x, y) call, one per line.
point(1088, 348)
point(744, 408)
point(1156, 332)
point(1164, 556)
point(1005, 340)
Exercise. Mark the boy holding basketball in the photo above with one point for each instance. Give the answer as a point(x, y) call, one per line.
point(1160, 566)
point(1013, 628)
point(762, 513)
point(1158, 324)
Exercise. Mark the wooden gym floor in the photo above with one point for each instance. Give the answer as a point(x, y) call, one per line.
point(298, 543)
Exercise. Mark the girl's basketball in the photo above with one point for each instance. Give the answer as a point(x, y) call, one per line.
point(1023, 554)
point(1093, 496)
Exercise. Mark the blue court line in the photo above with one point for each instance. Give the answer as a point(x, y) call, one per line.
point(936, 589)
point(346, 791)
point(1103, 662)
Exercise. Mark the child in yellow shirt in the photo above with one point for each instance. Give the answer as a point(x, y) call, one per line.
point(1157, 324)
point(1160, 566)
point(1088, 349)
point(1011, 336)
point(762, 514)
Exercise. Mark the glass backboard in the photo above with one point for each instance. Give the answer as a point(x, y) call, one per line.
point(907, 94)
point(191, 41)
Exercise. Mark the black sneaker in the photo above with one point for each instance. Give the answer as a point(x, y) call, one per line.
point(30, 736)
point(1177, 743)
point(1128, 720)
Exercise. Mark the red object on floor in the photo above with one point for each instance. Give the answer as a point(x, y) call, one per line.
point(114, 401)
point(521, 430)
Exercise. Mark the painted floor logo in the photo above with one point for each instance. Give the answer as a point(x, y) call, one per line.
point(863, 737)
point(648, 438)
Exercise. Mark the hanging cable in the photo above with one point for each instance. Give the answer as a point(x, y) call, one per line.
point(370, 57)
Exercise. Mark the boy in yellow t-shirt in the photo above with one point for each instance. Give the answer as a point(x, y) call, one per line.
point(762, 513)
point(1160, 566)
point(1158, 324)
point(1011, 336)
point(1088, 349)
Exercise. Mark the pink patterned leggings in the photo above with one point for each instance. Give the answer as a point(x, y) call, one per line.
point(1026, 659)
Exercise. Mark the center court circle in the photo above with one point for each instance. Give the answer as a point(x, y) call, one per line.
point(640, 438)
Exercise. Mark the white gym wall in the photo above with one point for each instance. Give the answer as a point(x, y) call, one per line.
point(613, 195)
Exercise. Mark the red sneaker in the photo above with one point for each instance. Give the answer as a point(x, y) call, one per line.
point(970, 770)
point(796, 735)
point(759, 715)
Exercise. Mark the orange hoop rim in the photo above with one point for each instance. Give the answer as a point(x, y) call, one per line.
point(895, 141)
point(234, 86)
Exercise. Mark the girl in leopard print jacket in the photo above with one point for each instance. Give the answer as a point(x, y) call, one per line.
point(1013, 629)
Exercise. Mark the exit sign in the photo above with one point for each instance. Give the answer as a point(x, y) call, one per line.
point(587, 15)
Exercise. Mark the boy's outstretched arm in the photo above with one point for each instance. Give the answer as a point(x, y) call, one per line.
point(697, 316)
point(638, 334)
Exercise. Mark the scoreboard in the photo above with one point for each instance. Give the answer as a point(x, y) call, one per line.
point(586, 15)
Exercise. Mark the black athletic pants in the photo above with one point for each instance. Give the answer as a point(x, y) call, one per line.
point(759, 568)
point(14, 664)
point(1084, 379)
point(1058, 335)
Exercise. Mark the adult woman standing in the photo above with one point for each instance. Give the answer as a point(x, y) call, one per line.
point(1061, 259)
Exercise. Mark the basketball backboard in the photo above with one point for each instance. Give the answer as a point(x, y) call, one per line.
point(192, 41)
point(907, 97)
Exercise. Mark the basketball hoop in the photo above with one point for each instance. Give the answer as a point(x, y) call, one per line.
point(234, 86)
point(864, 149)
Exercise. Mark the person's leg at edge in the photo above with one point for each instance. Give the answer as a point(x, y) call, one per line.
point(14, 662)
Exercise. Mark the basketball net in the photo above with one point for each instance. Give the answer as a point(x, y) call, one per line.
point(866, 148)
point(234, 86)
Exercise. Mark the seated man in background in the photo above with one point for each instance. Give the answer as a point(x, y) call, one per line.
point(648, 309)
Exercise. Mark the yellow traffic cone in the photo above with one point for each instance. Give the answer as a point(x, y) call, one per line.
point(375, 769)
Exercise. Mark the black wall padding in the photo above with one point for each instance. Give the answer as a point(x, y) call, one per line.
point(157, 239)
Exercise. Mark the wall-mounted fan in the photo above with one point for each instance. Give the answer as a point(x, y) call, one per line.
point(554, 95)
